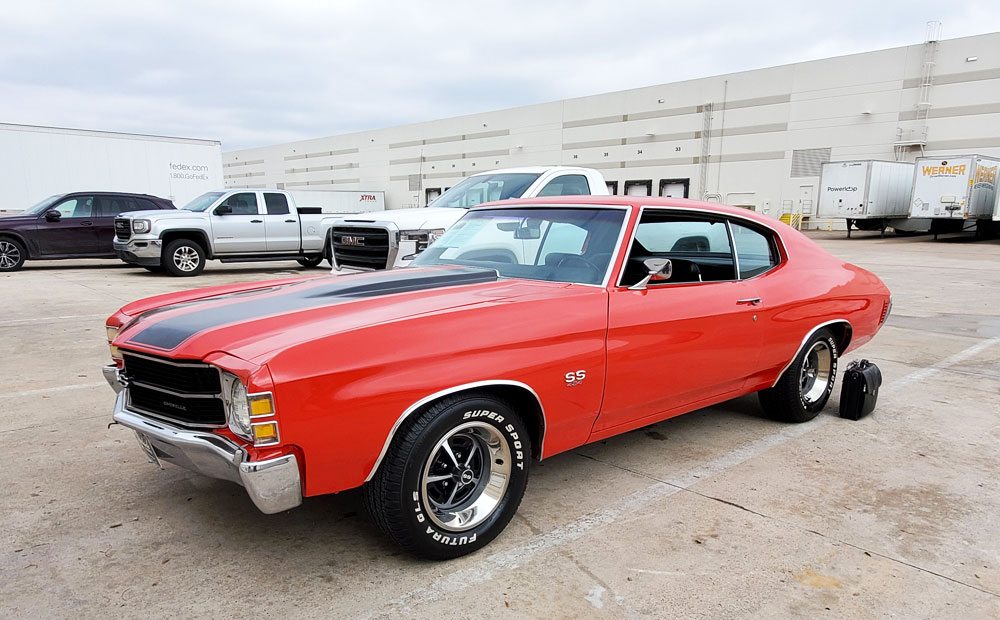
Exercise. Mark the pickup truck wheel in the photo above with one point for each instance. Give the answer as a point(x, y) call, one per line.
point(452, 478)
point(806, 385)
point(311, 261)
point(183, 257)
point(12, 254)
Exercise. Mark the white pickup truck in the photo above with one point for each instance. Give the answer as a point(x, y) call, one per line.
point(237, 226)
point(388, 239)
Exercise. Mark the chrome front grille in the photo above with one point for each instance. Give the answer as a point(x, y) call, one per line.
point(123, 229)
point(365, 247)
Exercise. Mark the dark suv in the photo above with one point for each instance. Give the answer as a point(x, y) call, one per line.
point(76, 225)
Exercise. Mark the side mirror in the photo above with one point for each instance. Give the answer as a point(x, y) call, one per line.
point(52, 215)
point(659, 269)
point(223, 210)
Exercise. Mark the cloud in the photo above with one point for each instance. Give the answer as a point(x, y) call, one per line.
point(257, 73)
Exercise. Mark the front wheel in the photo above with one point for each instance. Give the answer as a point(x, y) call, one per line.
point(183, 257)
point(452, 478)
point(310, 261)
point(806, 385)
point(12, 254)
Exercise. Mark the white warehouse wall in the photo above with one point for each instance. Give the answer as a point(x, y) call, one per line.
point(36, 162)
point(752, 125)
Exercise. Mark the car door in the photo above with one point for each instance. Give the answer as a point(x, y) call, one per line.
point(72, 233)
point(685, 342)
point(281, 226)
point(238, 226)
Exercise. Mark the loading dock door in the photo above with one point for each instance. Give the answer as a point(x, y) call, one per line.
point(613, 187)
point(431, 194)
point(674, 188)
point(638, 188)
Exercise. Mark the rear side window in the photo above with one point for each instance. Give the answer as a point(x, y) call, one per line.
point(755, 251)
point(276, 204)
point(567, 185)
point(146, 205)
point(242, 204)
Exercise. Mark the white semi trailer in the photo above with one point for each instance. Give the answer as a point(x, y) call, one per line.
point(955, 191)
point(869, 194)
point(36, 162)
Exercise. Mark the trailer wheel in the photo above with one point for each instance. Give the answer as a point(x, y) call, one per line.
point(183, 258)
point(310, 261)
point(805, 386)
point(452, 478)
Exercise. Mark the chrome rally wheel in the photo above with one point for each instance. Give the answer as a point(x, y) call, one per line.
point(816, 373)
point(466, 476)
point(452, 476)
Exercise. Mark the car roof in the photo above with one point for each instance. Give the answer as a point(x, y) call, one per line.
point(630, 201)
point(111, 192)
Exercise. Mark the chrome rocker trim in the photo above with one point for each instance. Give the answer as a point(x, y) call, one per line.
point(274, 485)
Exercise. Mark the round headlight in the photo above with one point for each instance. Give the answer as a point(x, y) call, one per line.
point(239, 409)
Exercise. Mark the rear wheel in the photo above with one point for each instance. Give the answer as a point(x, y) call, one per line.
point(183, 257)
point(310, 261)
point(12, 254)
point(805, 387)
point(453, 478)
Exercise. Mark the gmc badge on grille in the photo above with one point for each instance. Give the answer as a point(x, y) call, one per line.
point(352, 240)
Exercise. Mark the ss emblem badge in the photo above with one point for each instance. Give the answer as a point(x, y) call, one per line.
point(575, 378)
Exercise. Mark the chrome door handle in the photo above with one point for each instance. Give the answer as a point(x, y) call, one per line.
point(256, 221)
point(753, 301)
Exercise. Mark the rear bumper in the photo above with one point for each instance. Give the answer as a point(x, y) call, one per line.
point(139, 251)
point(274, 485)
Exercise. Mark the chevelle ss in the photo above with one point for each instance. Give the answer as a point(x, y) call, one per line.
point(529, 328)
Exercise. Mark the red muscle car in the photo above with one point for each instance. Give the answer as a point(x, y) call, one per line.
point(529, 328)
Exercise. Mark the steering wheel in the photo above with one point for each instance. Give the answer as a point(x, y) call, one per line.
point(567, 262)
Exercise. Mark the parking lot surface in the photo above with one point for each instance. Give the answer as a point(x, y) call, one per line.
point(721, 513)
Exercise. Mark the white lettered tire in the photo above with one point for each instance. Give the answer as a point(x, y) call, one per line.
point(453, 477)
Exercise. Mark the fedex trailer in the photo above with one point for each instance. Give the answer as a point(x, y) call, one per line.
point(869, 194)
point(954, 190)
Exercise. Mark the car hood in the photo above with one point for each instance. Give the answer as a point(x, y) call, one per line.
point(158, 214)
point(15, 219)
point(413, 219)
point(256, 323)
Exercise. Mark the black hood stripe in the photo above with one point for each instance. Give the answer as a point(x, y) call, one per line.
point(171, 332)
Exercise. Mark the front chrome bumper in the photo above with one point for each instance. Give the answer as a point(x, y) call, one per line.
point(110, 373)
point(139, 251)
point(274, 485)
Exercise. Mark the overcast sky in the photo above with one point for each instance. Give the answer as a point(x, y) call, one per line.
point(254, 73)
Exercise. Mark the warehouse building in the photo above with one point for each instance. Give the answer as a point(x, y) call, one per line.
point(756, 139)
point(37, 162)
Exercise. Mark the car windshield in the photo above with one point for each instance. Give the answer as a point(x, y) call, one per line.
point(486, 188)
point(554, 244)
point(39, 207)
point(202, 202)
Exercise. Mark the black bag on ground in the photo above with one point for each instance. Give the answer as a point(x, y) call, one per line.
point(859, 392)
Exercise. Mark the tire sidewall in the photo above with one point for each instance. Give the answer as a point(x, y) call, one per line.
point(826, 336)
point(168, 258)
point(434, 540)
